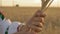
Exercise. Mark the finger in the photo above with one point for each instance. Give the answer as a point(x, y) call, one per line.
point(35, 28)
point(38, 24)
point(40, 14)
point(38, 19)
point(42, 20)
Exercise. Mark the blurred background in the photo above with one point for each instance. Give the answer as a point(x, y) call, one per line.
point(22, 10)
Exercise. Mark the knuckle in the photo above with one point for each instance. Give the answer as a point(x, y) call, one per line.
point(38, 29)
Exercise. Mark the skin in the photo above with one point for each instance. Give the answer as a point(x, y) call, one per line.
point(33, 25)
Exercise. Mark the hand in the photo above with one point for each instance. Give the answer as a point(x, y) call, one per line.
point(34, 25)
point(37, 21)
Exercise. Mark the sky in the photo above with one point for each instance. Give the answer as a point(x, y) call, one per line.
point(33, 3)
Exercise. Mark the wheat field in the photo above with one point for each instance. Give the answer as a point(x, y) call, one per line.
point(22, 14)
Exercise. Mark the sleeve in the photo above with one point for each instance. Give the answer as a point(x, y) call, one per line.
point(5, 25)
point(13, 27)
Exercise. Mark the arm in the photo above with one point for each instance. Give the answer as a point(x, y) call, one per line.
point(33, 25)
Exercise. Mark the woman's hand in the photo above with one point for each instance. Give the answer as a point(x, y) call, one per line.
point(37, 21)
point(34, 25)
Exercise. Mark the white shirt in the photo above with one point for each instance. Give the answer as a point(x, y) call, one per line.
point(13, 27)
point(1, 26)
point(5, 24)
